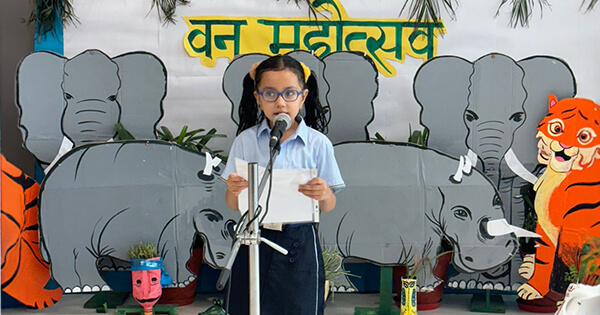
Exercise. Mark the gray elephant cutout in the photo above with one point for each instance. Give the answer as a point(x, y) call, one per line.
point(102, 198)
point(491, 106)
point(82, 98)
point(347, 83)
point(401, 201)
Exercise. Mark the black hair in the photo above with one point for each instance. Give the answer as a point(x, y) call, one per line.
point(249, 112)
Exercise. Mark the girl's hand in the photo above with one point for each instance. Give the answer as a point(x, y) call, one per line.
point(316, 189)
point(235, 184)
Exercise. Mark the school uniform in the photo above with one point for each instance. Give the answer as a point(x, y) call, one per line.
point(291, 284)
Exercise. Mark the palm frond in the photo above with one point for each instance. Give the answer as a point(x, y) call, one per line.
point(521, 10)
point(429, 10)
point(166, 9)
point(590, 5)
point(47, 12)
point(312, 13)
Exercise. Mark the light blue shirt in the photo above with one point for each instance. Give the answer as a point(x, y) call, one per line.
point(306, 148)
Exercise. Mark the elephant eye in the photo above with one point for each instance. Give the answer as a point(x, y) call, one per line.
point(212, 218)
point(154, 280)
point(497, 201)
point(112, 98)
point(212, 215)
point(517, 117)
point(138, 282)
point(470, 115)
point(461, 213)
point(68, 96)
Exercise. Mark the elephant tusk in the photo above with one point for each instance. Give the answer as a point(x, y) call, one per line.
point(517, 167)
point(458, 175)
point(465, 164)
point(65, 146)
point(500, 227)
point(210, 164)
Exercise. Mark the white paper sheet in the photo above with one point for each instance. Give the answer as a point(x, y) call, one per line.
point(287, 204)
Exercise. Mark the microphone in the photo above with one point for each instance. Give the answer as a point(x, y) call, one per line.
point(282, 123)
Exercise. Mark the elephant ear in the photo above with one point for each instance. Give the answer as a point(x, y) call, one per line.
point(233, 79)
point(143, 88)
point(41, 103)
point(353, 85)
point(441, 87)
point(543, 75)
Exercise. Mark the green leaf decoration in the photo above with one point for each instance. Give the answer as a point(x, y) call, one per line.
point(122, 133)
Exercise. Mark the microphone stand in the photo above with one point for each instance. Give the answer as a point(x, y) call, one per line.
point(250, 236)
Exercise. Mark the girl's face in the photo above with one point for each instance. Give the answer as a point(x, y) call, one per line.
point(285, 82)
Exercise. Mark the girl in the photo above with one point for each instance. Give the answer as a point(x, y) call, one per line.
point(292, 284)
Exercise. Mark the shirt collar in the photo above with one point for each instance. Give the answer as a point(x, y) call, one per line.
point(301, 131)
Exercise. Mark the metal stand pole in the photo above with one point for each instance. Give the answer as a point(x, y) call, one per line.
point(251, 236)
point(254, 231)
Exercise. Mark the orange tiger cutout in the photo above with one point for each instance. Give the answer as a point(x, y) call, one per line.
point(24, 272)
point(567, 202)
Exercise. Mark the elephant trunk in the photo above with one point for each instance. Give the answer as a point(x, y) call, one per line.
point(492, 143)
point(91, 120)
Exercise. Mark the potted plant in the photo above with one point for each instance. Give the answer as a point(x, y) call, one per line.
point(147, 275)
point(407, 287)
point(332, 263)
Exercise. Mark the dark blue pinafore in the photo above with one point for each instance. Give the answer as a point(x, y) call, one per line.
point(292, 284)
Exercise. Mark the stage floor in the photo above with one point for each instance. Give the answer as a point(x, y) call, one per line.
point(343, 303)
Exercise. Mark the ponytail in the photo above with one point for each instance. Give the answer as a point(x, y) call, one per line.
point(248, 110)
point(316, 116)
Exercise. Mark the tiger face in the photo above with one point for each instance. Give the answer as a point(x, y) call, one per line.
point(568, 135)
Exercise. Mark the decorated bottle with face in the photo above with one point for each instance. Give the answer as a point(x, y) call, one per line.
point(146, 282)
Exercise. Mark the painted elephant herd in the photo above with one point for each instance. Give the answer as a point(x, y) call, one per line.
point(400, 202)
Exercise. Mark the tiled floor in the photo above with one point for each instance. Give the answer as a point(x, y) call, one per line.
point(342, 303)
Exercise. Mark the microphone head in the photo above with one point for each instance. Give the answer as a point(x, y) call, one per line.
point(284, 118)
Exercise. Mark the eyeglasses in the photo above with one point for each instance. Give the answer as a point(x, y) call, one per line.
point(270, 95)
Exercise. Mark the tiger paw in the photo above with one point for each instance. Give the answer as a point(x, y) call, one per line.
point(47, 298)
point(527, 267)
point(527, 292)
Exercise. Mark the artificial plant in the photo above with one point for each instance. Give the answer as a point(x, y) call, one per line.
point(191, 140)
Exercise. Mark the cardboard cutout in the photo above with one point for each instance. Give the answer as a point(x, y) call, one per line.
point(401, 201)
point(24, 274)
point(491, 107)
point(79, 100)
point(102, 198)
point(567, 196)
